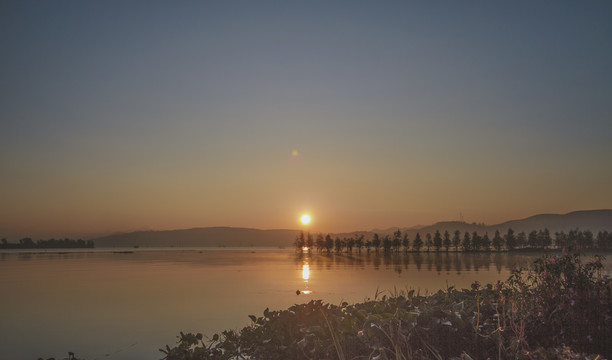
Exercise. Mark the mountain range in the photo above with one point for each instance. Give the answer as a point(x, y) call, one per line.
point(593, 220)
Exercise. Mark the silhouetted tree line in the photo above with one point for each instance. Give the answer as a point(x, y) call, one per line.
point(28, 243)
point(469, 242)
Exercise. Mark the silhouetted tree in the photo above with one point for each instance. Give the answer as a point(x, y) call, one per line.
point(604, 240)
point(510, 239)
point(376, 242)
point(466, 244)
point(521, 240)
point(574, 239)
point(417, 243)
point(397, 240)
point(457, 239)
point(300, 241)
point(428, 241)
point(406, 243)
point(329, 243)
point(587, 240)
point(338, 245)
point(320, 243)
point(309, 241)
point(476, 241)
point(561, 240)
point(27, 243)
point(350, 242)
point(359, 243)
point(437, 241)
point(446, 241)
point(497, 241)
point(544, 237)
point(532, 239)
point(486, 242)
point(387, 244)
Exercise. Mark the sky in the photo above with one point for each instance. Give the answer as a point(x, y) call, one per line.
point(150, 115)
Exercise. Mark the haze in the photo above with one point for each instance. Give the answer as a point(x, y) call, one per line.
point(119, 116)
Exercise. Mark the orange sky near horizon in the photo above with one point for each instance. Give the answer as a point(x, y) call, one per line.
point(363, 115)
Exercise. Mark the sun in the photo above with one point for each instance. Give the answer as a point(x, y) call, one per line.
point(305, 219)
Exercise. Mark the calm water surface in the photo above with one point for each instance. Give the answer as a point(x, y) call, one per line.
point(108, 305)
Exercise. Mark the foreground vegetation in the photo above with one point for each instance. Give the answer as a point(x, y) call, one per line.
point(560, 308)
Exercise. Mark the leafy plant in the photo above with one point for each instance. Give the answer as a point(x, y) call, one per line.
point(558, 309)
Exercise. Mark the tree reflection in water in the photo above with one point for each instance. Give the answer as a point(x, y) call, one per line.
point(433, 261)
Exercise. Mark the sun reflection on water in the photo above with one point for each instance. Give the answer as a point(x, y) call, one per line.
point(305, 277)
point(305, 271)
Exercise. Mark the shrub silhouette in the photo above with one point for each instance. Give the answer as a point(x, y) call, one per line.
point(557, 309)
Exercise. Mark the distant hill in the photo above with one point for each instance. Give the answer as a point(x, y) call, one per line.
point(594, 220)
point(207, 237)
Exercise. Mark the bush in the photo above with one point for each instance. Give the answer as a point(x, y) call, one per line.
point(558, 309)
point(563, 301)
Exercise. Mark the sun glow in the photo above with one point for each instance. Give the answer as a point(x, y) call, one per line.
point(305, 219)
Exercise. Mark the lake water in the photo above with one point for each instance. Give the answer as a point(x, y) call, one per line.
point(111, 305)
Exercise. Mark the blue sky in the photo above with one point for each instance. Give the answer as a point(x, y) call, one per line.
point(119, 116)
